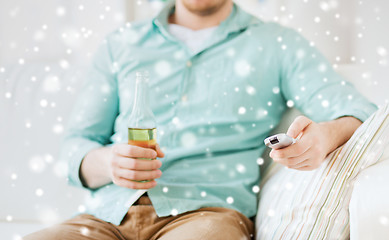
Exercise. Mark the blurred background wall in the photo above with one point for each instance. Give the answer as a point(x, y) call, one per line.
point(45, 42)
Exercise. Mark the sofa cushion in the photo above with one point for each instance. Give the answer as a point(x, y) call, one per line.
point(314, 204)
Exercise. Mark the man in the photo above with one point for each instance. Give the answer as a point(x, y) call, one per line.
point(220, 81)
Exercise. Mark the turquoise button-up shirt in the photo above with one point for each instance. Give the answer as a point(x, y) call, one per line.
point(213, 108)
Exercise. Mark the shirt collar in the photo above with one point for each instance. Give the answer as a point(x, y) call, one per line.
point(236, 21)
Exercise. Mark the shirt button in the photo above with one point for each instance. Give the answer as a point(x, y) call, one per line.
point(189, 64)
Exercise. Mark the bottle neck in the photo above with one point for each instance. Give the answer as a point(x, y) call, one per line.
point(141, 102)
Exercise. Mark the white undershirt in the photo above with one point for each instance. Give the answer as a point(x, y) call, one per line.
point(194, 39)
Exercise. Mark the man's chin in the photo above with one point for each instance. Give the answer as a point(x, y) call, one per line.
point(204, 7)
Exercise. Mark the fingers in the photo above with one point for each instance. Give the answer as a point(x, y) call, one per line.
point(293, 150)
point(126, 150)
point(136, 164)
point(129, 170)
point(294, 161)
point(300, 164)
point(298, 125)
point(134, 185)
point(160, 154)
point(134, 175)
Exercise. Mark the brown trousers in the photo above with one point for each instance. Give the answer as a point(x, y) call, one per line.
point(142, 223)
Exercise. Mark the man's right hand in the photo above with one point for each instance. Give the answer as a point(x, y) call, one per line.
point(128, 171)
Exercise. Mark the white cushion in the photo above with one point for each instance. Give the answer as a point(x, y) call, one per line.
point(369, 205)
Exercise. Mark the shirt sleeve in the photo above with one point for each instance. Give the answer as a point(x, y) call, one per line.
point(309, 82)
point(92, 121)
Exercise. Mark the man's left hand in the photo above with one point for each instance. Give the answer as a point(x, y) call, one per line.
point(310, 150)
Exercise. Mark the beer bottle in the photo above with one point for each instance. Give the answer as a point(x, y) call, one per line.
point(142, 124)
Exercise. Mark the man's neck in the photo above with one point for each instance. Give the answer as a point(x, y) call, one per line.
point(182, 16)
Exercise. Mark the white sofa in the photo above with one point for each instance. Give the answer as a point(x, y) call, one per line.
point(35, 103)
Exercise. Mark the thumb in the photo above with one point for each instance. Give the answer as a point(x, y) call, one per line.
point(160, 154)
point(298, 125)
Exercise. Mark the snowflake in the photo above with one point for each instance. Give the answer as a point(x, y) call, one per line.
point(322, 67)
point(174, 212)
point(37, 164)
point(48, 216)
point(61, 11)
point(384, 221)
point(212, 130)
point(14, 176)
point(260, 161)
point(9, 218)
point(316, 19)
point(250, 90)
point(290, 103)
point(188, 139)
point(8, 95)
point(276, 90)
point(240, 168)
point(324, 6)
point(21, 61)
point(188, 194)
point(230, 200)
point(325, 103)
point(242, 68)
point(230, 52)
point(51, 84)
point(242, 110)
point(239, 128)
point(270, 212)
point(162, 68)
point(43, 103)
point(382, 51)
point(255, 189)
point(300, 53)
point(176, 120)
point(81, 209)
point(203, 194)
point(165, 189)
point(58, 128)
point(366, 75)
point(64, 64)
point(179, 55)
point(85, 231)
point(289, 186)
point(60, 169)
point(39, 192)
point(39, 36)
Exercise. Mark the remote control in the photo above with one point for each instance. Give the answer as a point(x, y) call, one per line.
point(279, 141)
